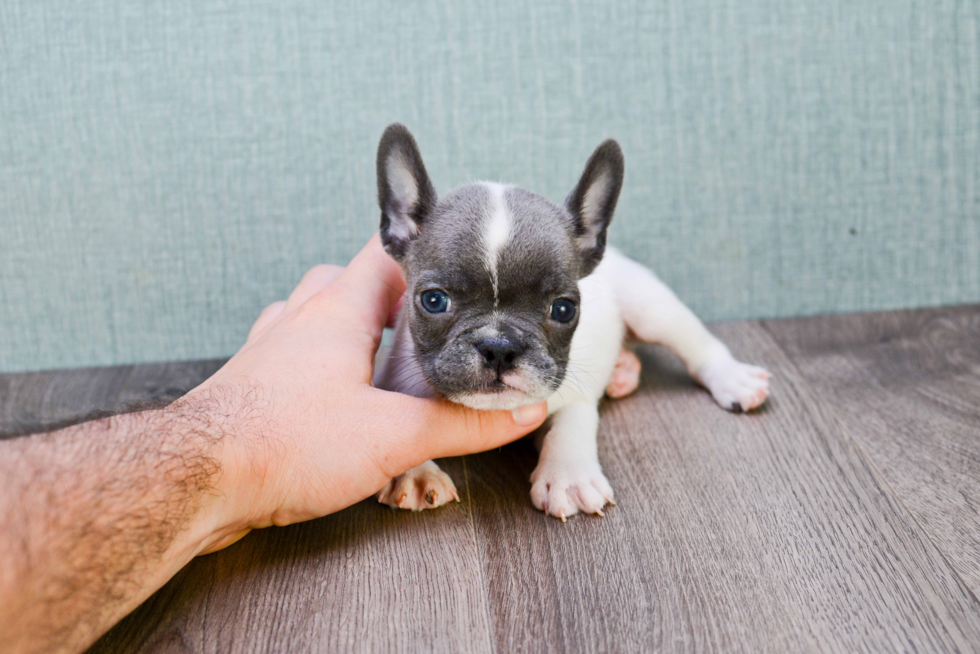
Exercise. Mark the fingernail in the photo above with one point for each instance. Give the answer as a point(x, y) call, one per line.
point(529, 414)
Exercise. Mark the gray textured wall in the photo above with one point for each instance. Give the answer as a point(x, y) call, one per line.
point(168, 168)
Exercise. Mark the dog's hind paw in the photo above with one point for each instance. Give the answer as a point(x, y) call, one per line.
point(625, 376)
point(736, 386)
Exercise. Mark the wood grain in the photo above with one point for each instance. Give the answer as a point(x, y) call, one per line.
point(367, 579)
point(907, 387)
point(770, 532)
point(42, 401)
point(751, 533)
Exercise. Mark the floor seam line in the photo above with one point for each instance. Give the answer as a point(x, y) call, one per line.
point(479, 559)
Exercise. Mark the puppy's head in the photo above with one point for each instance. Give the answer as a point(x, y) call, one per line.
point(492, 272)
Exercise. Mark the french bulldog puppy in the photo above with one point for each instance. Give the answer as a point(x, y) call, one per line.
point(513, 299)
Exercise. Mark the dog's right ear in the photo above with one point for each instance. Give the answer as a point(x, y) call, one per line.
point(405, 193)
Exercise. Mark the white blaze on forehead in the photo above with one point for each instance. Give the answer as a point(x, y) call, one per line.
point(496, 233)
point(405, 187)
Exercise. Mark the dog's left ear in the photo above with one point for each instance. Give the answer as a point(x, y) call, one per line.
point(405, 194)
point(593, 202)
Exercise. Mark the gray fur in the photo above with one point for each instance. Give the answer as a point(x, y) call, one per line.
point(542, 261)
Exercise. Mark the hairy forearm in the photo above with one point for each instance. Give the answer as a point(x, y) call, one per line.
point(96, 517)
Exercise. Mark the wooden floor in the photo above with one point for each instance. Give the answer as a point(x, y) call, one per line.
point(844, 517)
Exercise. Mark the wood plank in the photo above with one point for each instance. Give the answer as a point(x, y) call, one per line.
point(367, 579)
point(767, 532)
point(907, 387)
point(42, 401)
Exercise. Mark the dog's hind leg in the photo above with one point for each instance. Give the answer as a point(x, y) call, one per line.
point(655, 315)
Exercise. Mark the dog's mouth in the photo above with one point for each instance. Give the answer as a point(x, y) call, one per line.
point(493, 397)
point(494, 387)
point(486, 389)
point(498, 388)
point(508, 391)
point(504, 383)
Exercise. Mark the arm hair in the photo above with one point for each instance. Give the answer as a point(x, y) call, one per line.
point(94, 518)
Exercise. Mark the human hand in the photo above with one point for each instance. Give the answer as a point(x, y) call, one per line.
point(306, 432)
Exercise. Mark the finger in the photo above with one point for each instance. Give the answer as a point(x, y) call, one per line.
point(265, 320)
point(370, 288)
point(316, 279)
point(434, 428)
point(394, 311)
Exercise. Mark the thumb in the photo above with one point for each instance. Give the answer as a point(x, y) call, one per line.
point(438, 428)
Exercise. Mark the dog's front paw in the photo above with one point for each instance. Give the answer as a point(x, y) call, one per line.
point(736, 386)
point(562, 489)
point(422, 487)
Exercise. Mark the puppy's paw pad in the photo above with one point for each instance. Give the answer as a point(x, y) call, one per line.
point(625, 376)
point(422, 487)
point(566, 488)
point(736, 386)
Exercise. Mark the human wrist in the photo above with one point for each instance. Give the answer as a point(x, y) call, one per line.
point(226, 423)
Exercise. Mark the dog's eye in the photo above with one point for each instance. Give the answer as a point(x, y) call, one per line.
point(562, 310)
point(435, 301)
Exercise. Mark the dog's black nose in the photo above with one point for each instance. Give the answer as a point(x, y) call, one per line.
point(499, 353)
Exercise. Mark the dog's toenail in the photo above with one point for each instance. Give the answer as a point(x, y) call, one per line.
point(431, 496)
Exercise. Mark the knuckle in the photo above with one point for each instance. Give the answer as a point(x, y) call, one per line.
point(480, 429)
point(318, 269)
point(486, 423)
point(273, 308)
point(317, 304)
point(322, 271)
